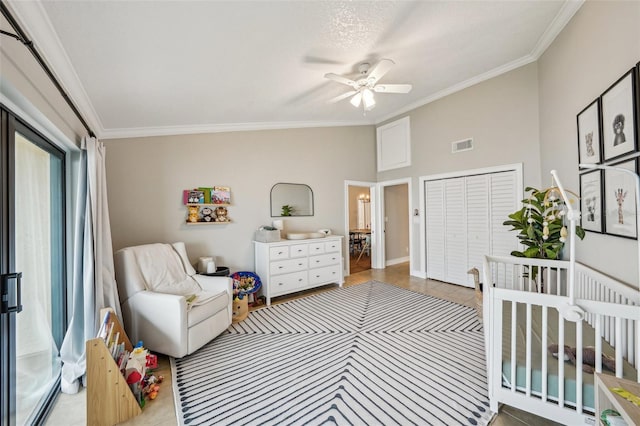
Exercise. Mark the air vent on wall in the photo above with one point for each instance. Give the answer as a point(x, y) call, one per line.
point(464, 145)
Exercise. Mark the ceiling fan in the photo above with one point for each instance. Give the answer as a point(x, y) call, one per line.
point(365, 85)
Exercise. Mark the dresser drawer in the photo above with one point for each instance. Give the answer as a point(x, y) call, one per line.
point(332, 246)
point(289, 265)
point(316, 248)
point(299, 250)
point(324, 260)
point(278, 252)
point(287, 283)
point(327, 274)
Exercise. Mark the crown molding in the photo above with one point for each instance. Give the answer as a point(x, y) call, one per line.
point(460, 86)
point(562, 18)
point(140, 132)
point(35, 22)
point(568, 9)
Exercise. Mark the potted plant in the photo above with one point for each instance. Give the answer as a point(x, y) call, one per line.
point(287, 210)
point(541, 225)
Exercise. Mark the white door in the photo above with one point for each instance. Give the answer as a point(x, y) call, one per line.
point(435, 230)
point(455, 225)
point(478, 232)
point(464, 218)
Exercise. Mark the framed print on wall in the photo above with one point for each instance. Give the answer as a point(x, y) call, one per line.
point(589, 145)
point(619, 131)
point(591, 201)
point(620, 200)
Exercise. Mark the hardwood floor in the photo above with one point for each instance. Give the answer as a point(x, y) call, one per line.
point(70, 410)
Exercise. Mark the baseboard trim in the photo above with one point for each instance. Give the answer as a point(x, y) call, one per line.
point(396, 261)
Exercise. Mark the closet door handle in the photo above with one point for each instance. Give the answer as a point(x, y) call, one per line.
point(4, 306)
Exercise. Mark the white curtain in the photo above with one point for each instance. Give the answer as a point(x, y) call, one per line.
point(94, 284)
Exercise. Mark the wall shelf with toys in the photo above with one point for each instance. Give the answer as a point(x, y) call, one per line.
point(207, 205)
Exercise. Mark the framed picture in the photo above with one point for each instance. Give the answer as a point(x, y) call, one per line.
point(619, 128)
point(620, 200)
point(589, 144)
point(591, 201)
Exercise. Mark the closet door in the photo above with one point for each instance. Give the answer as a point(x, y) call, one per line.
point(434, 217)
point(502, 203)
point(478, 231)
point(455, 241)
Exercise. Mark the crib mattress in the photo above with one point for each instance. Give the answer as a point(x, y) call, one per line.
point(588, 338)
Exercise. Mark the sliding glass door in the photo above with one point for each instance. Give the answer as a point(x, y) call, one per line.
point(33, 273)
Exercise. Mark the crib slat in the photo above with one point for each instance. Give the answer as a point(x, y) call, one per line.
point(558, 285)
point(618, 331)
point(560, 361)
point(598, 339)
point(579, 366)
point(528, 353)
point(545, 319)
point(514, 311)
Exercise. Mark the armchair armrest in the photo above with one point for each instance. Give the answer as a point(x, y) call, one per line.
point(215, 284)
point(159, 320)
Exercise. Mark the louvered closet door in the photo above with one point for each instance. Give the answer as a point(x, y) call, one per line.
point(502, 203)
point(455, 241)
point(464, 217)
point(434, 217)
point(478, 231)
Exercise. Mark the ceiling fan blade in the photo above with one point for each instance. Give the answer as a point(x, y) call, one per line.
point(340, 79)
point(380, 69)
point(392, 88)
point(341, 97)
point(355, 101)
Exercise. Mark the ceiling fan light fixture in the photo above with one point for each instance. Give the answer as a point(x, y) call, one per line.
point(368, 99)
point(355, 101)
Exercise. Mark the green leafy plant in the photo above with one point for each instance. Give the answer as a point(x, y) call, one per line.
point(541, 226)
point(540, 223)
point(287, 210)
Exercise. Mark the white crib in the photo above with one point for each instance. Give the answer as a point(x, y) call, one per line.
point(521, 320)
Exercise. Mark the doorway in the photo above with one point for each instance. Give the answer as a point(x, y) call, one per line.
point(359, 225)
point(32, 253)
point(394, 242)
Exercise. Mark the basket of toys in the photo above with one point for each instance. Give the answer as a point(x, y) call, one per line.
point(244, 284)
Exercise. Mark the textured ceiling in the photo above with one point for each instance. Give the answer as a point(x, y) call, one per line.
point(139, 68)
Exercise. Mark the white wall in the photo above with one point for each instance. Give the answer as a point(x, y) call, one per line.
point(500, 114)
point(598, 46)
point(146, 176)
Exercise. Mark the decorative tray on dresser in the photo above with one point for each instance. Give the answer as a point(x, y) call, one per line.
point(289, 266)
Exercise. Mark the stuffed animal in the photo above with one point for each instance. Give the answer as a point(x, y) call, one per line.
point(221, 214)
point(207, 214)
point(193, 214)
point(588, 358)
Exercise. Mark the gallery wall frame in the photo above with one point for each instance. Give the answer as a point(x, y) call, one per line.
point(590, 134)
point(619, 125)
point(591, 203)
point(619, 200)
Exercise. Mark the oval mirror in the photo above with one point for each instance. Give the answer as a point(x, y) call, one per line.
point(291, 199)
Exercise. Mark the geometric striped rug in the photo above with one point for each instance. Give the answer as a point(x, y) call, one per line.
point(371, 354)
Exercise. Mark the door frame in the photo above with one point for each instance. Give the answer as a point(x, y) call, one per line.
point(374, 222)
point(515, 167)
point(379, 245)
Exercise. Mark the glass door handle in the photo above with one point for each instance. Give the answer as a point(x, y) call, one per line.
point(4, 306)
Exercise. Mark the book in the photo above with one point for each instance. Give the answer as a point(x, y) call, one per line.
point(195, 197)
point(221, 195)
point(207, 194)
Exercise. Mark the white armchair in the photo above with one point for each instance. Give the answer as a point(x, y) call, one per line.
point(154, 282)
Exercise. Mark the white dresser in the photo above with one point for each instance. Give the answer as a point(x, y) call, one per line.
point(288, 266)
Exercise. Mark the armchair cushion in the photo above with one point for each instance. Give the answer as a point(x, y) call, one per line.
point(163, 270)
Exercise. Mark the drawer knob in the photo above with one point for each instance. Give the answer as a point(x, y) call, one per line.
point(317, 276)
point(299, 264)
point(280, 284)
point(299, 279)
point(280, 252)
point(280, 267)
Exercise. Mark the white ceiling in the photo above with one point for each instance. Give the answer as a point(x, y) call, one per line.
point(141, 68)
